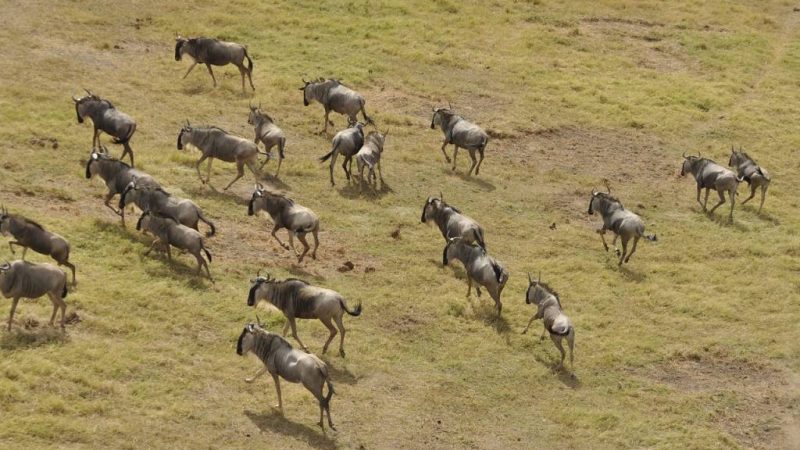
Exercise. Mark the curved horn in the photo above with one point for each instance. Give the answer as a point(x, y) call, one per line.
point(258, 273)
point(698, 153)
point(539, 280)
point(449, 106)
point(258, 321)
point(608, 186)
point(441, 196)
point(530, 279)
point(88, 91)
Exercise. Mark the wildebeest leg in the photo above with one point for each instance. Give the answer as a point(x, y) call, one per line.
point(763, 194)
point(455, 153)
point(275, 228)
point(327, 322)
point(444, 144)
point(96, 138)
point(169, 251)
point(327, 111)
point(571, 344)
point(557, 340)
point(197, 167)
point(497, 304)
point(286, 328)
point(200, 263)
point(13, 308)
point(239, 173)
point(635, 241)
point(72, 268)
point(278, 390)
point(294, 334)
point(380, 173)
point(469, 285)
point(700, 188)
point(348, 171)
point(625, 239)
point(152, 245)
point(533, 317)
point(752, 194)
point(316, 242)
point(478, 168)
point(721, 202)
point(251, 164)
point(291, 244)
point(212, 74)
point(24, 251)
point(602, 233)
point(53, 300)
point(242, 71)
point(341, 335)
point(258, 374)
point(109, 195)
point(306, 247)
point(127, 150)
point(705, 202)
point(190, 69)
point(474, 161)
point(732, 194)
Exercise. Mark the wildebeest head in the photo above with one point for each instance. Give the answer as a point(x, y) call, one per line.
point(538, 291)
point(179, 43)
point(257, 194)
point(439, 114)
point(96, 155)
point(81, 104)
point(255, 285)
point(432, 204)
point(245, 342)
point(186, 129)
point(257, 115)
point(305, 89)
point(451, 242)
point(132, 186)
point(598, 196)
point(688, 163)
point(144, 219)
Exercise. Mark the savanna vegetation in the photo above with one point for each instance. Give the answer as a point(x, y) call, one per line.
point(693, 344)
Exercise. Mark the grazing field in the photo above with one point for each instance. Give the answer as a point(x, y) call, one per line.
point(693, 344)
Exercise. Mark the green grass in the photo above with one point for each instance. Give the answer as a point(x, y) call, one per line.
point(693, 345)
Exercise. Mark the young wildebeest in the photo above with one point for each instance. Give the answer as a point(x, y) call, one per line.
point(117, 175)
point(22, 279)
point(755, 175)
point(170, 233)
point(548, 307)
point(347, 142)
point(334, 96)
point(370, 156)
point(214, 52)
point(298, 220)
point(620, 221)
point(482, 268)
point(462, 134)
point(158, 201)
point(215, 142)
point(300, 300)
point(710, 175)
point(451, 222)
point(282, 361)
point(106, 118)
point(29, 234)
point(268, 133)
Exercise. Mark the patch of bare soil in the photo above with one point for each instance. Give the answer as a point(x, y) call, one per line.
point(756, 404)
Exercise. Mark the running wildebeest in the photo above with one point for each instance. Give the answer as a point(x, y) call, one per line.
point(217, 143)
point(105, 117)
point(485, 270)
point(282, 361)
point(299, 300)
point(548, 307)
point(623, 223)
point(755, 175)
point(170, 233)
point(347, 142)
point(23, 279)
point(336, 97)
point(369, 156)
point(462, 134)
point(710, 175)
point(214, 52)
point(158, 201)
point(451, 222)
point(268, 133)
point(285, 213)
point(29, 234)
point(117, 175)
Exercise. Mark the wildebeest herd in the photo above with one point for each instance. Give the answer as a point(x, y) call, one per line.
point(174, 221)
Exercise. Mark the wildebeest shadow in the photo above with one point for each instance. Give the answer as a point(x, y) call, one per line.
point(353, 190)
point(176, 269)
point(301, 272)
point(339, 375)
point(486, 312)
point(207, 190)
point(727, 222)
point(765, 216)
point(274, 422)
point(480, 182)
point(21, 338)
point(275, 183)
point(565, 376)
point(631, 275)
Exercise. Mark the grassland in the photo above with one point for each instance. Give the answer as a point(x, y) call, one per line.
point(693, 345)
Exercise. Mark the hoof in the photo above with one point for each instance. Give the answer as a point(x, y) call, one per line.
point(341, 353)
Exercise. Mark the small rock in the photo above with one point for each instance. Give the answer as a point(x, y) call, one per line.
point(369, 269)
point(72, 318)
point(346, 267)
point(396, 233)
point(553, 226)
point(641, 206)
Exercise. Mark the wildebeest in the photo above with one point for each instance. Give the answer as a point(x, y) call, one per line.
point(710, 175)
point(548, 307)
point(22, 279)
point(285, 213)
point(462, 134)
point(168, 232)
point(369, 156)
point(105, 117)
point(282, 361)
point(214, 52)
point(347, 142)
point(159, 201)
point(485, 270)
point(117, 175)
point(299, 300)
point(268, 133)
point(451, 222)
point(623, 223)
point(755, 175)
point(29, 234)
point(217, 143)
point(334, 96)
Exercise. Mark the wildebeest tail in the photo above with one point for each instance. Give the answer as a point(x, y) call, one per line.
point(64, 291)
point(208, 254)
point(561, 331)
point(327, 400)
point(651, 237)
point(764, 174)
point(126, 138)
point(207, 222)
point(479, 238)
point(330, 153)
point(356, 312)
point(281, 146)
point(249, 62)
point(498, 272)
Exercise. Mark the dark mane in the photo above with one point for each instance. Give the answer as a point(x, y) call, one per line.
point(746, 156)
point(608, 197)
point(29, 221)
point(547, 288)
point(296, 279)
